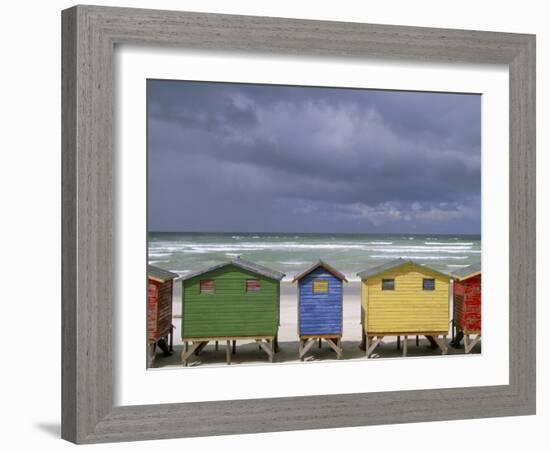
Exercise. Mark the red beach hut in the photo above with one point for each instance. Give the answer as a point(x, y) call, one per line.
point(159, 311)
point(467, 306)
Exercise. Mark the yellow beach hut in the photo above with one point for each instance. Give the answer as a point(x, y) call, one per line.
point(403, 298)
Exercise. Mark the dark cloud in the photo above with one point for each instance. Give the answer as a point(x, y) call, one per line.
point(235, 157)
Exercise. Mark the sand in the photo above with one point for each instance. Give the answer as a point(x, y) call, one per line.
point(248, 353)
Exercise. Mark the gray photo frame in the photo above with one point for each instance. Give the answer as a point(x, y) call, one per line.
point(89, 36)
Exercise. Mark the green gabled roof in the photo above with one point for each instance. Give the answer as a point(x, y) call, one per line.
point(377, 270)
point(241, 263)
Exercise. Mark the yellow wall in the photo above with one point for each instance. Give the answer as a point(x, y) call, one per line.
point(408, 308)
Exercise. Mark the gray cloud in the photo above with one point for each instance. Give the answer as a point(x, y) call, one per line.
point(235, 157)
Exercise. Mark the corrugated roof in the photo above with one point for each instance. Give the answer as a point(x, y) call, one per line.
point(467, 272)
point(324, 265)
point(394, 264)
point(243, 264)
point(160, 274)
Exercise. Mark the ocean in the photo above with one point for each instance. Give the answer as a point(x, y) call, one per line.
point(290, 253)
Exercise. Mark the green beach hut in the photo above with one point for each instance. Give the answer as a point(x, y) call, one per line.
point(237, 300)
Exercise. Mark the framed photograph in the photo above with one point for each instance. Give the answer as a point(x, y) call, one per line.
point(285, 204)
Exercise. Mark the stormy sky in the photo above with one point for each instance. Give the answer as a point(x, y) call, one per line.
point(252, 158)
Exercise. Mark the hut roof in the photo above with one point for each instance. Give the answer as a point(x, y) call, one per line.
point(324, 265)
point(158, 274)
point(467, 272)
point(241, 263)
point(377, 270)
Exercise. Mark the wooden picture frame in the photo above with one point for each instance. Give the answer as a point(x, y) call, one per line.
point(90, 34)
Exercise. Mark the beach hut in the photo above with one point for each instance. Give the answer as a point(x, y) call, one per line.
point(159, 311)
point(320, 307)
point(231, 301)
point(402, 298)
point(467, 306)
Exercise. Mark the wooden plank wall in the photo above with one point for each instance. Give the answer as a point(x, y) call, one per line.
point(408, 308)
point(152, 310)
point(230, 310)
point(320, 313)
point(467, 304)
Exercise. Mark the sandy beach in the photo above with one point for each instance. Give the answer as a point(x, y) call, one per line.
point(248, 353)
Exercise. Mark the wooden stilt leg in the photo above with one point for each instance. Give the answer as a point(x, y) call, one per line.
point(468, 344)
point(334, 345)
point(417, 340)
point(398, 342)
point(267, 348)
point(306, 345)
point(373, 345)
point(150, 354)
point(301, 349)
point(228, 351)
point(441, 343)
point(186, 345)
point(234, 349)
point(363, 345)
point(217, 345)
point(368, 342)
point(320, 342)
point(186, 354)
point(405, 341)
point(183, 359)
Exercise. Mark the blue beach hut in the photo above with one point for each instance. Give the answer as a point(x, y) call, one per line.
point(320, 300)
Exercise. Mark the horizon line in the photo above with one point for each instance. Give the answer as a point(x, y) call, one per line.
point(314, 232)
